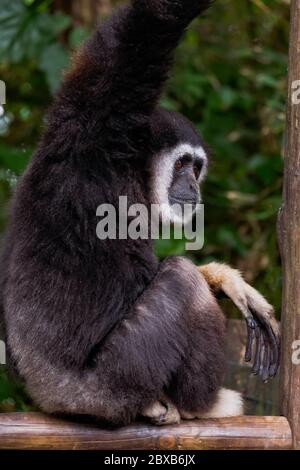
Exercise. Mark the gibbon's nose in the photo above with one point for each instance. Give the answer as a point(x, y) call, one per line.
point(191, 191)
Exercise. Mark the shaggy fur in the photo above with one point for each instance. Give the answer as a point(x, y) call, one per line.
point(100, 327)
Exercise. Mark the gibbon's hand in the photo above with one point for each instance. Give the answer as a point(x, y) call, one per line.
point(263, 343)
point(263, 330)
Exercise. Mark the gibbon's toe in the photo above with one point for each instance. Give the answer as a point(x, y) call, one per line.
point(155, 410)
point(172, 415)
point(162, 413)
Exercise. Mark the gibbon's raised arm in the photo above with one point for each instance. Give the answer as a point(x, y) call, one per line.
point(117, 78)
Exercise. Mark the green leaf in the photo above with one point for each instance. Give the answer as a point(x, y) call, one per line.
point(14, 159)
point(53, 60)
point(77, 36)
point(13, 17)
point(59, 22)
point(25, 31)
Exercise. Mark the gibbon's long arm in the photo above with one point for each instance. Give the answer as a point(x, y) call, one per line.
point(117, 78)
point(263, 332)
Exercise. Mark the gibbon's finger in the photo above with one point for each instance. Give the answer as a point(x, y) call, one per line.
point(264, 359)
point(261, 361)
point(274, 355)
point(275, 365)
point(265, 374)
point(251, 326)
point(249, 347)
point(259, 344)
point(275, 348)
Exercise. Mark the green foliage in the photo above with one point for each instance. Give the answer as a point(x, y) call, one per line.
point(12, 395)
point(29, 32)
point(229, 79)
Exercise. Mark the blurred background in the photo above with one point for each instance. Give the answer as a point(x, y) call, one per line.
point(229, 79)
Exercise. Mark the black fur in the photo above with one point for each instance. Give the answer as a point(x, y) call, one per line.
point(100, 327)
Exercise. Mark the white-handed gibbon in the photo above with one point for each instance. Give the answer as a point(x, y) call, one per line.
point(101, 327)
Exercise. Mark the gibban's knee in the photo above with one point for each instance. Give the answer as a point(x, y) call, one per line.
point(190, 272)
point(182, 266)
point(202, 296)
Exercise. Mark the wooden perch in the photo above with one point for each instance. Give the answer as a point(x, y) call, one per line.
point(38, 431)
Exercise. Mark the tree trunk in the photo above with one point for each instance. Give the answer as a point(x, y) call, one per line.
point(289, 239)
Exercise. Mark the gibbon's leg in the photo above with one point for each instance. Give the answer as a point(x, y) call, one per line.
point(176, 317)
point(259, 314)
point(196, 387)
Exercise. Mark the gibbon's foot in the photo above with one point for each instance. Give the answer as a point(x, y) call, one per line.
point(162, 412)
point(263, 343)
point(227, 405)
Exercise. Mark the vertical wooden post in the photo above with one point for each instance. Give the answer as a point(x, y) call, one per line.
point(289, 238)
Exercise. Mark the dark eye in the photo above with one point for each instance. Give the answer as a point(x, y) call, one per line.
point(178, 165)
point(197, 169)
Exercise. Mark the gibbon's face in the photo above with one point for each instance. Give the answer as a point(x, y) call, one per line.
point(178, 170)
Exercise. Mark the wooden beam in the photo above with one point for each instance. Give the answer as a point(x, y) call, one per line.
point(38, 431)
point(289, 238)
